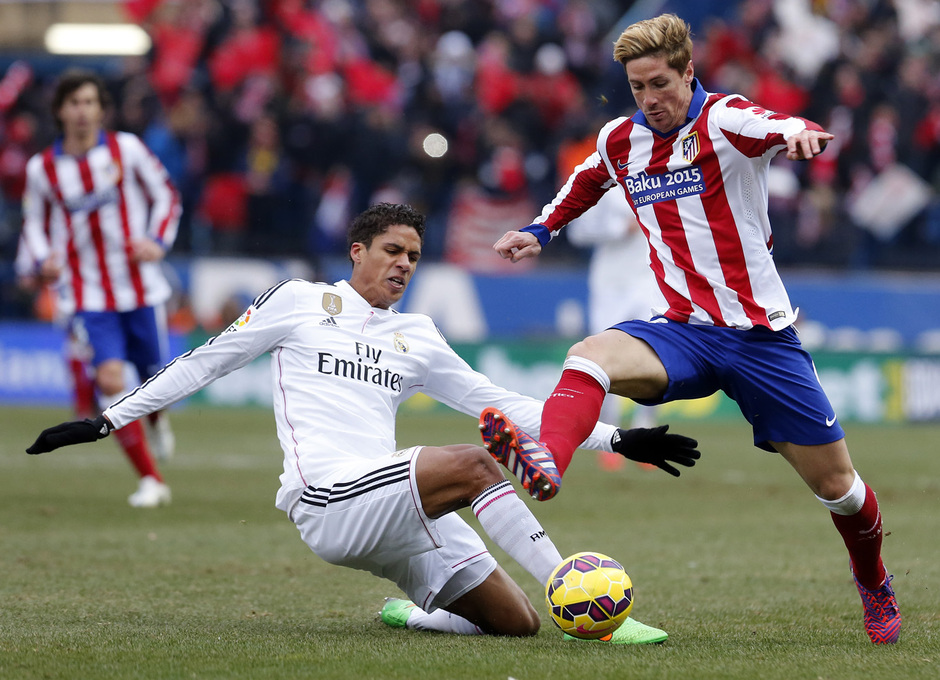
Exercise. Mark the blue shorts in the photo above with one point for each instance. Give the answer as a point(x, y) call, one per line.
point(767, 373)
point(138, 336)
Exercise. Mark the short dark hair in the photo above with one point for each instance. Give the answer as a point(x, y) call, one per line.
point(70, 81)
point(377, 219)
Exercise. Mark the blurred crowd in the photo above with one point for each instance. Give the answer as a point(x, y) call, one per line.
point(280, 119)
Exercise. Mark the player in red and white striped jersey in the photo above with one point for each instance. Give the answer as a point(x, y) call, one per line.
point(100, 212)
point(693, 167)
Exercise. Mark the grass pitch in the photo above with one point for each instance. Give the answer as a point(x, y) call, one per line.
point(735, 559)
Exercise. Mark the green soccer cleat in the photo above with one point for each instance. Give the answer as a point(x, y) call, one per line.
point(395, 612)
point(630, 632)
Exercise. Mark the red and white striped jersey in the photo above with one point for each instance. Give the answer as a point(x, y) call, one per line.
point(699, 193)
point(86, 211)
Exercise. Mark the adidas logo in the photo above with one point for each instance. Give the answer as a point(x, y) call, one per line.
point(329, 321)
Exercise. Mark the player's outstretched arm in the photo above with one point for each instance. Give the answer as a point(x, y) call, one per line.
point(654, 446)
point(66, 434)
point(518, 245)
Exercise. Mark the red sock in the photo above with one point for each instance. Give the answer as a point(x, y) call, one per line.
point(570, 414)
point(132, 439)
point(862, 535)
point(83, 390)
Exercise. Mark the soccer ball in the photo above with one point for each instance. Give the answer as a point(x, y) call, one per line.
point(589, 595)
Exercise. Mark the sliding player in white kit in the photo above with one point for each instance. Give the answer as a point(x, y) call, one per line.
point(343, 362)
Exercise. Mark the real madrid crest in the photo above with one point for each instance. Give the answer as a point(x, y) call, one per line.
point(332, 304)
point(690, 147)
point(400, 344)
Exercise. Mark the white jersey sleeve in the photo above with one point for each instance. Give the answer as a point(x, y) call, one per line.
point(263, 326)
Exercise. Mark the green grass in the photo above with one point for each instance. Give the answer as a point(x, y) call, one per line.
point(735, 559)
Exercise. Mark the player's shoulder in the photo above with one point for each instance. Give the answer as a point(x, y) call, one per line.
point(288, 289)
point(615, 123)
point(733, 104)
point(129, 143)
point(37, 160)
point(125, 137)
point(621, 123)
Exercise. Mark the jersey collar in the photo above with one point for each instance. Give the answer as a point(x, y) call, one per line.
point(57, 144)
point(695, 108)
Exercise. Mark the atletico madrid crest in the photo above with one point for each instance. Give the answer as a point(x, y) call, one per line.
point(690, 147)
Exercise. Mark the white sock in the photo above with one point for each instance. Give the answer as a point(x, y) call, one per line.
point(851, 502)
point(441, 621)
point(506, 519)
point(589, 367)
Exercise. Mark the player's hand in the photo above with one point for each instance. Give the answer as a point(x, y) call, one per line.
point(75, 432)
point(806, 144)
point(518, 245)
point(653, 446)
point(147, 250)
point(50, 269)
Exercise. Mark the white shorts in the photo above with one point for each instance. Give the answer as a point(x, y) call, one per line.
point(374, 521)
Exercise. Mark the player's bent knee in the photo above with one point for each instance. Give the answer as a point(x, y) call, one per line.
point(109, 378)
point(475, 465)
point(834, 486)
point(450, 477)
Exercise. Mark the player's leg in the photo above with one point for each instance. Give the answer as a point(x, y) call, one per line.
point(453, 477)
point(373, 517)
point(79, 356)
point(611, 361)
point(448, 478)
point(148, 350)
point(774, 382)
point(107, 339)
point(827, 469)
point(497, 606)
point(459, 587)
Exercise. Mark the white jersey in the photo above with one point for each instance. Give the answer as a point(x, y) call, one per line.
point(86, 210)
point(341, 368)
point(699, 192)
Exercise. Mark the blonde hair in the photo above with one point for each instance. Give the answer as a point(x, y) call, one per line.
point(665, 35)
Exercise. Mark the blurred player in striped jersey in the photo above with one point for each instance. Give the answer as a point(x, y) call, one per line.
point(693, 167)
point(100, 212)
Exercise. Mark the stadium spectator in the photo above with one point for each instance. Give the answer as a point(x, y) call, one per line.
point(691, 164)
point(99, 215)
point(343, 363)
point(463, 68)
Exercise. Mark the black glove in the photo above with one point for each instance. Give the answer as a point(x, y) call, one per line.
point(75, 432)
point(652, 445)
